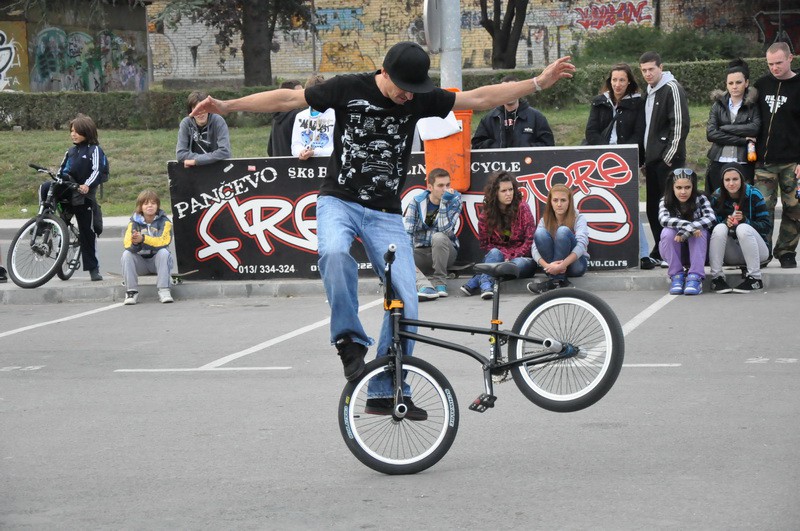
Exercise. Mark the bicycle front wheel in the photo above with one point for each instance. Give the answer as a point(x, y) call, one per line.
point(73, 260)
point(593, 344)
point(37, 251)
point(394, 446)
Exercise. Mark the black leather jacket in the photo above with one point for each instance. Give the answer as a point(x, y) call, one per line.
point(629, 120)
point(721, 132)
point(530, 129)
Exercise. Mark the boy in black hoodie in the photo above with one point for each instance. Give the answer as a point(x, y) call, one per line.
point(778, 148)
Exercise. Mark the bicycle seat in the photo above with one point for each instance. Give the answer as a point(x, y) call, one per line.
point(502, 271)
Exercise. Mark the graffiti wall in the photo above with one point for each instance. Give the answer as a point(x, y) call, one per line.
point(353, 35)
point(107, 53)
point(13, 57)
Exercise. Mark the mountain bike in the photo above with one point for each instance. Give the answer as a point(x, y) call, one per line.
point(564, 352)
point(49, 243)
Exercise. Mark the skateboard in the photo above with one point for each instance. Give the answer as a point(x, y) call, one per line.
point(177, 278)
point(455, 270)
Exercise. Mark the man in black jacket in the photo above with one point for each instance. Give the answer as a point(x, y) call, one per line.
point(515, 124)
point(778, 148)
point(666, 114)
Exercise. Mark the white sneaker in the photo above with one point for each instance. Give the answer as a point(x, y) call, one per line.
point(131, 297)
point(165, 296)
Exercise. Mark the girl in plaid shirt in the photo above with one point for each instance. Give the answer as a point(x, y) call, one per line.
point(686, 217)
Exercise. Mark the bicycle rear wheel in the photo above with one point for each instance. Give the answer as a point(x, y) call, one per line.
point(73, 260)
point(37, 253)
point(594, 349)
point(394, 446)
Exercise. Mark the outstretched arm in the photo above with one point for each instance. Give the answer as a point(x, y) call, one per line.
point(490, 96)
point(269, 101)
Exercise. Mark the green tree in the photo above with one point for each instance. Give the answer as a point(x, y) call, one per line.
point(254, 20)
point(505, 30)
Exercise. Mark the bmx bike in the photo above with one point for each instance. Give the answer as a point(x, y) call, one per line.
point(564, 352)
point(48, 244)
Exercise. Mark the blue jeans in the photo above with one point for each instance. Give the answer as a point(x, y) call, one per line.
point(558, 248)
point(338, 224)
point(525, 264)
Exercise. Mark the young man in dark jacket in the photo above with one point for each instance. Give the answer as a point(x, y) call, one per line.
point(666, 127)
point(778, 148)
point(514, 124)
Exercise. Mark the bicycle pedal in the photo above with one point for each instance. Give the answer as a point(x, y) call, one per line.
point(482, 403)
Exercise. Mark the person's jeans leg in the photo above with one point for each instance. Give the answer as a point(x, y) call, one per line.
point(671, 250)
point(443, 255)
point(644, 245)
point(563, 244)
point(163, 265)
point(337, 223)
point(492, 257)
point(698, 247)
point(716, 249)
point(377, 231)
point(753, 248)
point(527, 268)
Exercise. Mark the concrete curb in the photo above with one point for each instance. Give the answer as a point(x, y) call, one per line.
point(111, 290)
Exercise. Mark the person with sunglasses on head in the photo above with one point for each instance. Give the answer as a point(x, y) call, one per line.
point(686, 217)
point(740, 235)
point(376, 115)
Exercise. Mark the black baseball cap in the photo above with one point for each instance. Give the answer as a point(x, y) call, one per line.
point(407, 65)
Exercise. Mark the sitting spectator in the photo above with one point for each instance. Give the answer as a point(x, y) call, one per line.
point(505, 229)
point(514, 124)
point(280, 136)
point(312, 134)
point(430, 219)
point(146, 243)
point(560, 241)
point(202, 139)
point(686, 217)
point(733, 122)
point(740, 236)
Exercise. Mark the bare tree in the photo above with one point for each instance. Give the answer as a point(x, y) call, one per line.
point(505, 29)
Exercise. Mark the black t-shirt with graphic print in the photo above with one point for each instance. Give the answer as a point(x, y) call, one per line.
point(372, 138)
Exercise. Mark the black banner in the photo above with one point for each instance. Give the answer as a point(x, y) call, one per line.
point(256, 218)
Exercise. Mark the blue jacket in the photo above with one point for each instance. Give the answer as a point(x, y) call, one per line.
point(86, 163)
point(753, 208)
point(414, 219)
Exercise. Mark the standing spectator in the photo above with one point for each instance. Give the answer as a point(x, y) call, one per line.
point(560, 241)
point(740, 235)
point(666, 114)
point(778, 148)
point(430, 219)
point(505, 230)
point(734, 121)
point(360, 196)
point(513, 124)
point(686, 216)
point(312, 133)
point(617, 117)
point(86, 163)
point(202, 138)
point(280, 136)
point(146, 243)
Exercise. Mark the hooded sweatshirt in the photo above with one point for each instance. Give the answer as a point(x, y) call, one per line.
point(667, 121)
point(779, 101)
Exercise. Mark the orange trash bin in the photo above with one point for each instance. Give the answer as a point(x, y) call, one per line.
point(452, 153)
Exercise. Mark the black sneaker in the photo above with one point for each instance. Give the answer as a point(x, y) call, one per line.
point(648, 262)
point(3, 275)
point(469, 291)
point(385, 406)
point(95, 275)
point(719, 285)
point(565, 283)
point(788, 261)
point(352, 355)
point(749, 285)
point(541, 287)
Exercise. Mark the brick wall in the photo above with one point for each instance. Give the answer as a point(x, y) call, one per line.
point(355, 34)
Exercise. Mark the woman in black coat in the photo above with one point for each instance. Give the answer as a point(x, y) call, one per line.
point(617, 117)
point(734, 121)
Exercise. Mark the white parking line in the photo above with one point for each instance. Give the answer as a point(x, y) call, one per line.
point(645, 314)
point(63, 319)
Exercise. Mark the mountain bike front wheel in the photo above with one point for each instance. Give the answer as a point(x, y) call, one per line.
point(591, 358)
point(399, 446)
point(73, 260)
point(37, 251)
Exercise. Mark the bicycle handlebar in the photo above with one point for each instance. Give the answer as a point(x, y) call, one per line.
point(67, 179)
